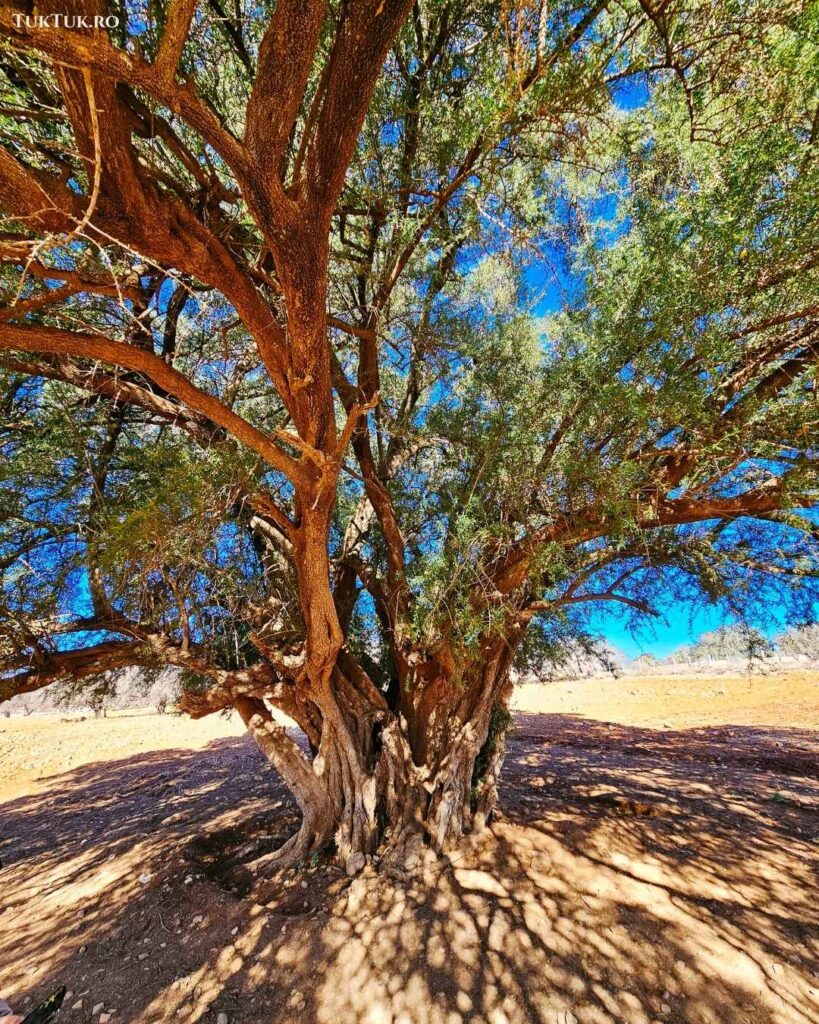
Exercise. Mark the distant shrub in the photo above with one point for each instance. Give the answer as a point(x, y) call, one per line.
point(725, 643)
point(801, 641)
point(97, 704)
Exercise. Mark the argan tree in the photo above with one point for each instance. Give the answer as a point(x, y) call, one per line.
point(282, 408)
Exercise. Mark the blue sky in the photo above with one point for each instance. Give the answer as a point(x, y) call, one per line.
point(680, 624)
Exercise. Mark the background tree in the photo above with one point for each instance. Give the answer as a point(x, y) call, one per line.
point(278, 408)
point(739, 642)
point(802, 641)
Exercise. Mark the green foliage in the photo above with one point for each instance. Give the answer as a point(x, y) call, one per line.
point(677, 243)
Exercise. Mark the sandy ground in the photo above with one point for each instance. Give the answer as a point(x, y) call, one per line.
point(684, 702)
point(656, 861)
point(36, 751)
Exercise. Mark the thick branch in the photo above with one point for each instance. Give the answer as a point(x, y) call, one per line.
point(79, 664)
point(361, 45)
point(77, 49)
point(177, 25)
point(639, 606)
point(96, 285)
point(58, 342)
point(510, 571)
point(286, 55)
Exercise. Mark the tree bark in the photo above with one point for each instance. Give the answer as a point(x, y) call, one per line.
point(368, 790)
point(298, 775)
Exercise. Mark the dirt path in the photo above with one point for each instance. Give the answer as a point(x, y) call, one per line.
point(638, 875)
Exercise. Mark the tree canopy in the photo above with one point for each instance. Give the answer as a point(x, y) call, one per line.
point(350, 350)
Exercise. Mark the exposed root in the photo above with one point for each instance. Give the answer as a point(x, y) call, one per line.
point(222, 856)
point(263, 842)
point(297, 847)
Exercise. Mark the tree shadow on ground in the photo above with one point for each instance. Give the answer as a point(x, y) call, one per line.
point(635, 876)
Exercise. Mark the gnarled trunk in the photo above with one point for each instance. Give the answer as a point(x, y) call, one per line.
point(465, 746)
point(383, 776)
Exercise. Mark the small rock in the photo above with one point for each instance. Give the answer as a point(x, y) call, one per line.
point(356, 895)
point(98, 1008)
point(665, 1008)
point(222, 1018)
point(234, 931)
point(105, 1017)
point(197, 920)
point(77, 1005)
point(188, 879)
point(145, 878)
point(304, 885)
point(296, 1000)
point(143, 956)
point(355, 863)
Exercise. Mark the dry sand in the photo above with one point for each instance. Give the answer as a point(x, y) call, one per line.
point(684, 702)
point(656, 861)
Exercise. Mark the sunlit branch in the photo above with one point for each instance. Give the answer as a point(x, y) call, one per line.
point(53, 341)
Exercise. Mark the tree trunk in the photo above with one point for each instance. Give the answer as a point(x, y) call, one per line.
point(467, 746)
point(373, 785)
point(298, 775)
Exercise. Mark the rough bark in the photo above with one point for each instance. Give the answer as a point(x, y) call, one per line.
point(299, 777)
point(367, 790)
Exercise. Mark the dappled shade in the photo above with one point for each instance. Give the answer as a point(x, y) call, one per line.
point(635, 875)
